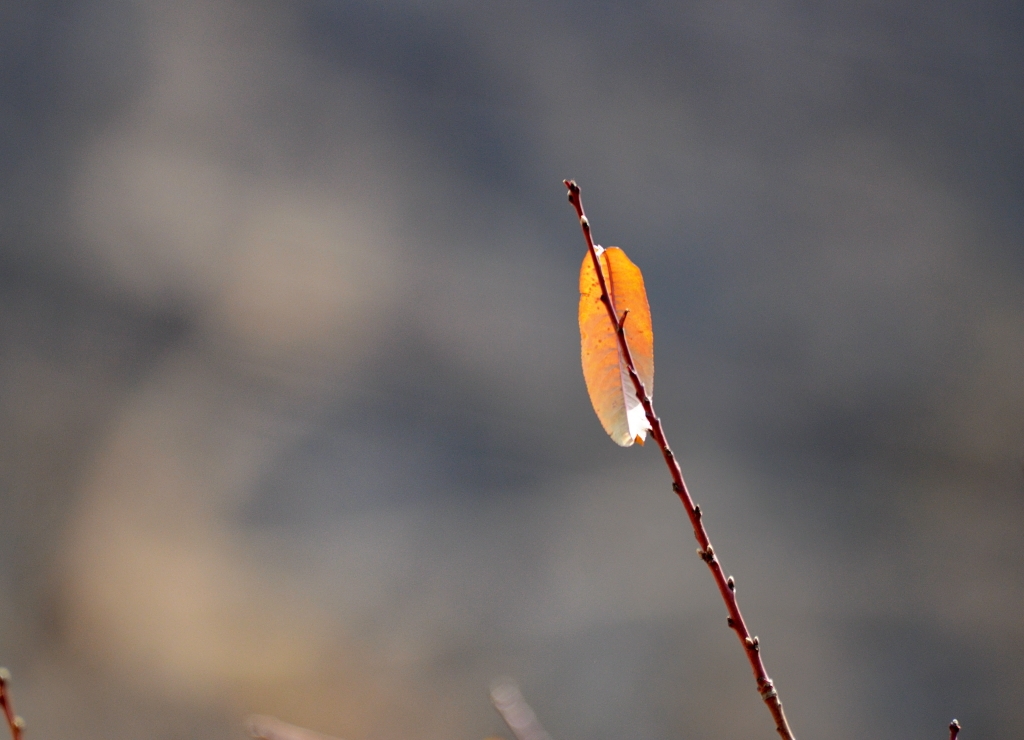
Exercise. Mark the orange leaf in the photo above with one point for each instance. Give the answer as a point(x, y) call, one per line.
point(604, 368)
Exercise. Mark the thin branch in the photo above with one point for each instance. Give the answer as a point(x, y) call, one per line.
point(263, 727)
point(726, 585)
point(14, 722)
point(954, 729)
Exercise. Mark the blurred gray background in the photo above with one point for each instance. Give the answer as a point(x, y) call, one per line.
point(291, 412)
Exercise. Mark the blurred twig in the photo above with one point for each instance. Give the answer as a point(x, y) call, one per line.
point(271, 728)
point(14, 722)
point(726, 585)
point(954, 729)
point(509, 701)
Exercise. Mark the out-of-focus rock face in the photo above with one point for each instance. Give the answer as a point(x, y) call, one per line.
point(291, 411)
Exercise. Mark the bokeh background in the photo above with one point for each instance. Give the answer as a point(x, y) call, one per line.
point(291, 412)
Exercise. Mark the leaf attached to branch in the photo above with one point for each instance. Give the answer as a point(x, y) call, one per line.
point(604, 366)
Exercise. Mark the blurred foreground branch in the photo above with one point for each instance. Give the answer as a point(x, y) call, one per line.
point(264, 727)
point(520, 718)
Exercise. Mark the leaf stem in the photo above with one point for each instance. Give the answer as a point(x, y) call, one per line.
point(726, 585)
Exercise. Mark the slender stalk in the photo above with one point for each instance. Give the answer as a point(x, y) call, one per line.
point(14, 722)
point(726, 585)
point(954, 729)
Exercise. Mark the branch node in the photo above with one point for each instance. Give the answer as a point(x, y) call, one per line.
point(768, 692)
point(731, 583)
point(676, 487)
point(696, 511)
point(707, 555)
point(731, 622)
point(584, 222)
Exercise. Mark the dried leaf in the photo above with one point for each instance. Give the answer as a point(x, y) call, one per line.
point(604, 368)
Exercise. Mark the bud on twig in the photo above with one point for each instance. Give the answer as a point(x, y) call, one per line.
point(14, 723)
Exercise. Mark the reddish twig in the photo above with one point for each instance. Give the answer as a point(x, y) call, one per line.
point(14, 722)
point(954, 729)
point(726, 585)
